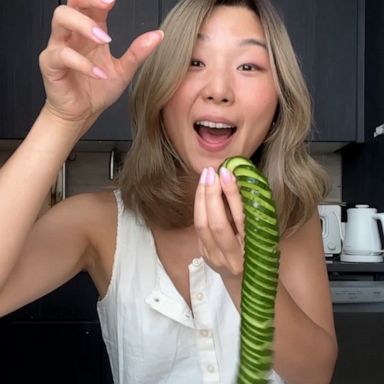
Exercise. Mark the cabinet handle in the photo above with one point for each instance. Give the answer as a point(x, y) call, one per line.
point(58, 192)
point(115, 163)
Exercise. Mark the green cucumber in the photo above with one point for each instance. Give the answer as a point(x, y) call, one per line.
point(260, 276)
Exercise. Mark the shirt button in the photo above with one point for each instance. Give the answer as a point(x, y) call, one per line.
point(200, 296)
point(210, 368)
point(196, 262)
point(204, 333)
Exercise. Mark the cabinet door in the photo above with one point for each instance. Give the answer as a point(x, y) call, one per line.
point(127, 20)
point(53, 353)
point(325, 36)
point(360, 336)
point(24, 30)
point(374, 64)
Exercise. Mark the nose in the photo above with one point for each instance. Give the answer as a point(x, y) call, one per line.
point(219, 89)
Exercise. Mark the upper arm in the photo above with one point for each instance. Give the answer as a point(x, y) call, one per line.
point(304, 274)
point(56, 249)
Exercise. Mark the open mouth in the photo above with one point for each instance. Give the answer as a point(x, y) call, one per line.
point(214, 133)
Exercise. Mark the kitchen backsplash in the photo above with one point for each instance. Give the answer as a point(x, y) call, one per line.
point(332, 163)
point(89, 171)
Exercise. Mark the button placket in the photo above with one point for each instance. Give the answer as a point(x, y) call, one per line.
point(203, 321)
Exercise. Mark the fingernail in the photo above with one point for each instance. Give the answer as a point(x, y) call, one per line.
point(211, 175)
point(101, 35)
point(107, 1)
point(153, 37)
point(226, 175)
point(203, 177)
point(99, 73)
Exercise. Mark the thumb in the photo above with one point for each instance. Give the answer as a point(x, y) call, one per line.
point(139, 50)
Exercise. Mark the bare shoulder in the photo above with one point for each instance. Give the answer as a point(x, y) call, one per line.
point(95, 209)
point(99, 223)
point(93, 218)
point(95, 215)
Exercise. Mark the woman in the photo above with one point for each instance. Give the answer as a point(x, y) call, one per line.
point(165, 251)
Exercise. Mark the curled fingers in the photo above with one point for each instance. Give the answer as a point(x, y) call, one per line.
point(66, 58)
point(221, 245)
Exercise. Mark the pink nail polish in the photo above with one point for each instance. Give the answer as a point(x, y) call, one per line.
point(203, 177)
point(99, 73)
point(100, 35)
point(226, 175)
point(107, 1)
point(211, 176)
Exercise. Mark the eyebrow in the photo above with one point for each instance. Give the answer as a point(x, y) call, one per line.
point(253, 41)
point(243, 42)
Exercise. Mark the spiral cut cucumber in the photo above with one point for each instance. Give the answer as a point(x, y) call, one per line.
point(261, 262)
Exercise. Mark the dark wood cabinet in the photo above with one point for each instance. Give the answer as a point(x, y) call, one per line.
point(363, 181)
point(328, 37)
point(53, 353)
point(56, 339)
point(24, 31)
point(360, 337)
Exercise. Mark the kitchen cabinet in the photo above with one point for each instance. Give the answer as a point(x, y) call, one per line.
point(56, 339)
point(360, 337)
point(53, 353)
point(362, 170)
point(374, 64)
point(328, 36)
point(24, 31)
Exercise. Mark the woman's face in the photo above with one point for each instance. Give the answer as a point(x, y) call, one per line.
point(226, 103)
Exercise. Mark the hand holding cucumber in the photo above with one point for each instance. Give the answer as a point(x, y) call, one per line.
point(221, 233)
point(222, 248)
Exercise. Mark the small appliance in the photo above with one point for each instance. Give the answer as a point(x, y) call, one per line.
point(362, 241)
point(330, 218)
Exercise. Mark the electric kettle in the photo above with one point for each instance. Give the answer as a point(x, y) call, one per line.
point(361, 241)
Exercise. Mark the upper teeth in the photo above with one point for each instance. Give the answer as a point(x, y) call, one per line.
point(211, 124)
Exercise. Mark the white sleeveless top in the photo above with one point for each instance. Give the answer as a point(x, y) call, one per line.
point(151, 335)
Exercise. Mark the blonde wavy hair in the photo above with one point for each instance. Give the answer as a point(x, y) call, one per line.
point(154, 181)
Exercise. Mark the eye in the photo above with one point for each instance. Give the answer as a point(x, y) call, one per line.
point(196, 63)
point(249, 67)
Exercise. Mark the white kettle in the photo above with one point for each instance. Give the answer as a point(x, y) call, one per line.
point(361, 241)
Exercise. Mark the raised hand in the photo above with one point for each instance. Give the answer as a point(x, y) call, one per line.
point(80, 75)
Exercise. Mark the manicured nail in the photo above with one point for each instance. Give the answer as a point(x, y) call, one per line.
point(211, 176)
point(203, 177)
point(99, 73)
point(107, 1)
point(101, 35)
point(226, 175)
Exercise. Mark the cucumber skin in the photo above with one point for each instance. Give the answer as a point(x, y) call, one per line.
point(256, 329)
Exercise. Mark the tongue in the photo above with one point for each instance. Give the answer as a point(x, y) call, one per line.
point(214, 136)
